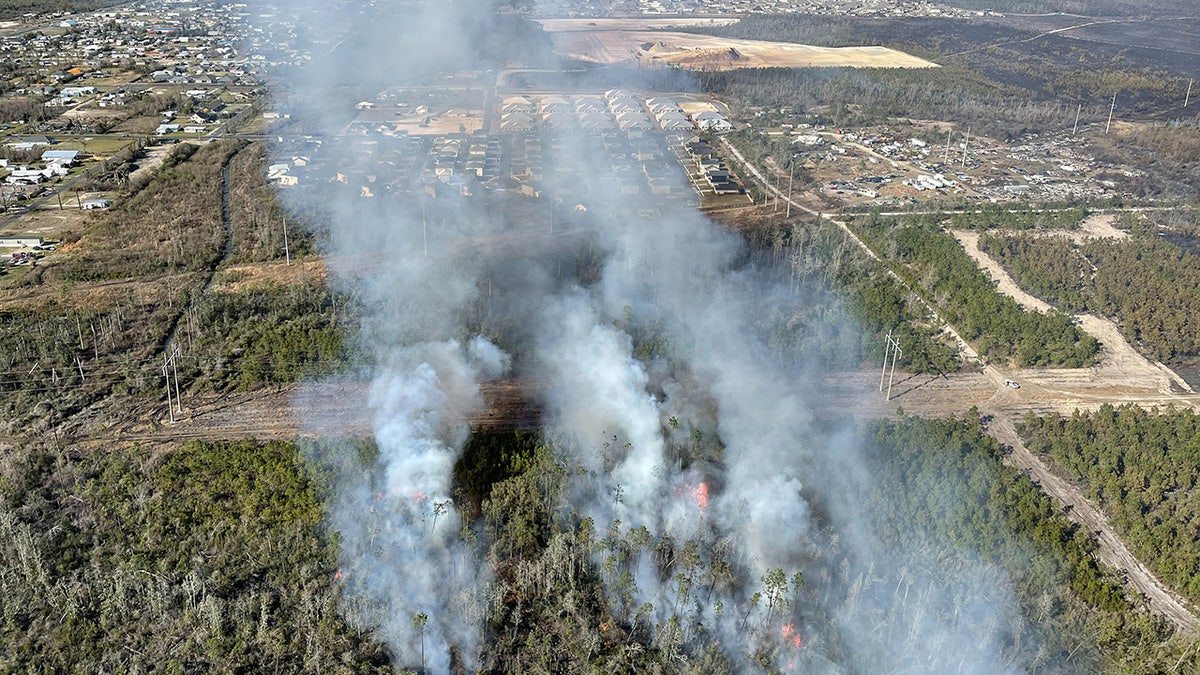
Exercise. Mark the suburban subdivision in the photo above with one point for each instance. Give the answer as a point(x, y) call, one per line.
point(599, 336)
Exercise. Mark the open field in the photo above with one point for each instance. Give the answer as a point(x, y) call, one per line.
point(716, 53)
point(591, 25)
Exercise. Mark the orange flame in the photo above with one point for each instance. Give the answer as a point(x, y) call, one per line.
point(339, 576)
point(699, 494)
point(790, 636)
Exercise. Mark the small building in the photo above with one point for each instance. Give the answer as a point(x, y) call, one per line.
point(96, 204)
point(63, 157)
point(21, 242)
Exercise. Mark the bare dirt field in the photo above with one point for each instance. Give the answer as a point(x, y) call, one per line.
point(573, 25)
point(152, 157)
point(237, 278)
point(434, 123)
point(704, 51)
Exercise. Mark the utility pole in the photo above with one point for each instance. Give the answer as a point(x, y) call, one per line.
point(892, 346)
point(949, 135)
point(1188, 96)
point(887, 345)
point(791, 179)
point(286, 251)
point(170, 367)
point(175, 371)
point(966, 145)
point(424, 230)
point(1077, 111)
point(1111, 108)
point(171, 408)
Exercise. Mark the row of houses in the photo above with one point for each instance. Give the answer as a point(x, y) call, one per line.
point(617, 110)
point(712, 168)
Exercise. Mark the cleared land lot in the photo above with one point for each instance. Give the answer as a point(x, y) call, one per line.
point(569, 25)
point(703, 51)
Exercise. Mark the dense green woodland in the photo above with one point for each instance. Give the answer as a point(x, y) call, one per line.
point(212, 557)
point(996, 325)
point(1150, 287)
point(1142, 467)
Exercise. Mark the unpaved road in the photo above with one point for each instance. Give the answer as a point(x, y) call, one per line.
point(1111, 549)
point(1120, 363)
point(1122, 375)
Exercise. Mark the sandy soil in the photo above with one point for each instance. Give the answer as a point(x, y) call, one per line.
point(152, 157)
point(703, 51)
point(1122, 371)
point(236, 278)
point(589, 25)
point(1099, 226)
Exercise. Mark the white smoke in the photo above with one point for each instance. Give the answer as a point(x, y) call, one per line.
point(418, 277)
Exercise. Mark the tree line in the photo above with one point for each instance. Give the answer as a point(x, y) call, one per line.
point(995, 324)
point(1142, 468)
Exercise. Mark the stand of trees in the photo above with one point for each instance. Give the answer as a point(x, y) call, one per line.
point(204, 558)
point(1150, 287)
point(943, 481)
point(212, 557)
point(1142, 467)
point(870, 303)
point(1051, 268)
point(995, 324)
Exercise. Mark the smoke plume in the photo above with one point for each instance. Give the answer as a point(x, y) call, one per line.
point(657, 363)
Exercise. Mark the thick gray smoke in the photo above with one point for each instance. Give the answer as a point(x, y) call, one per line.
point(421, 269)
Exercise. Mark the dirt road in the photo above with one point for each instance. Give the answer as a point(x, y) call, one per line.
point(1122, 375)
point(1111, 550)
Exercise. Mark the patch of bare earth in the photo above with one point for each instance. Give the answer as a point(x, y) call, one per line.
point(1122, 373)
point(689, 50)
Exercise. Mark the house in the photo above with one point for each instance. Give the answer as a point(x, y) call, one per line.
point(28, 142)
point(195, 129)
point(164, 129)
point(712, 121)
point(63, 157)
point(25, 175)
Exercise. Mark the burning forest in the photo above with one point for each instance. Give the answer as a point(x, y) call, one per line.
point(680, 507)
